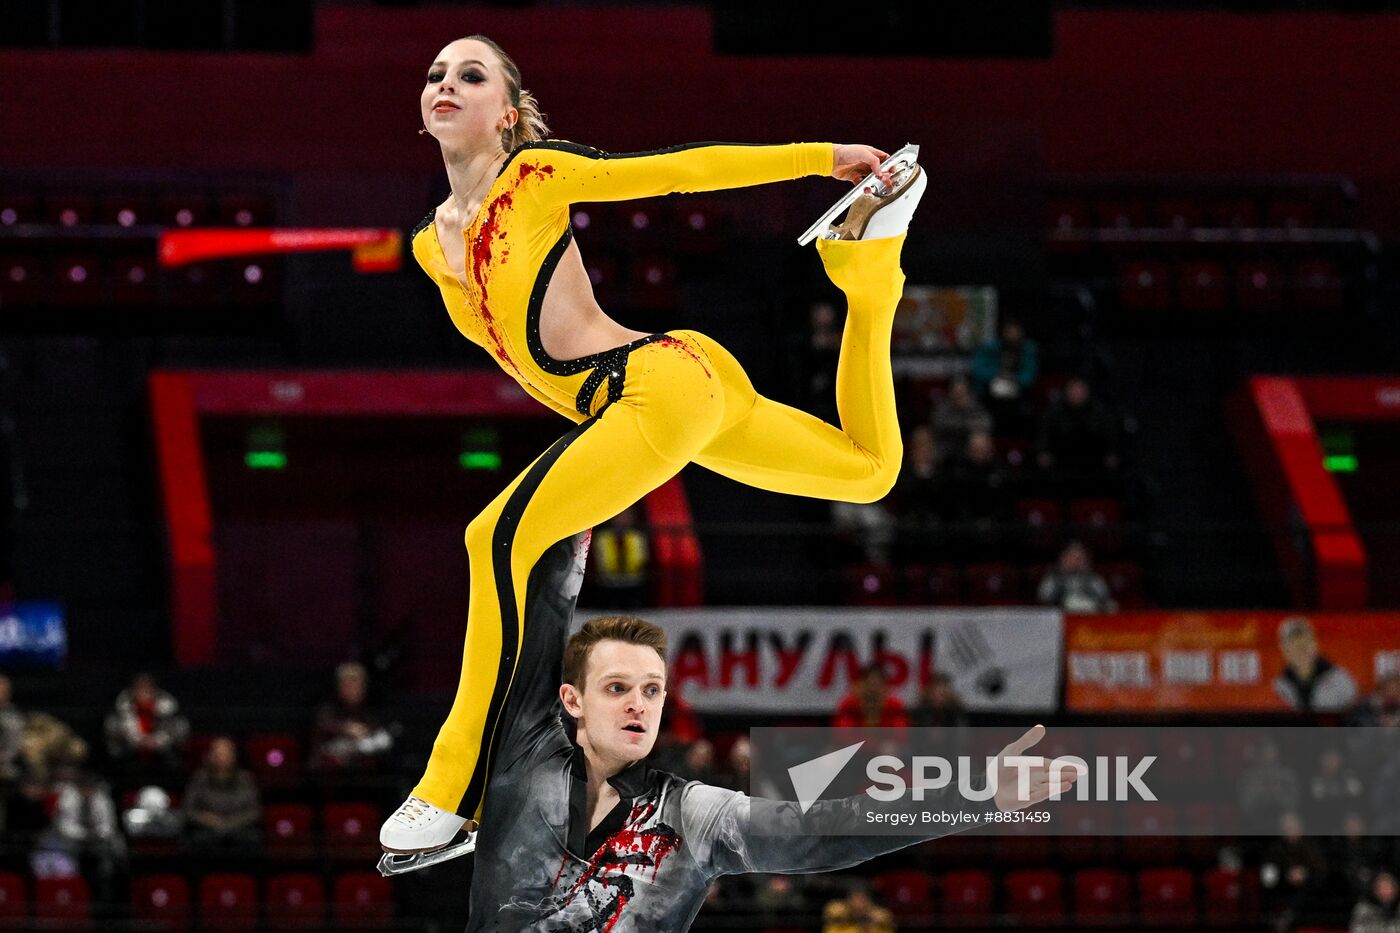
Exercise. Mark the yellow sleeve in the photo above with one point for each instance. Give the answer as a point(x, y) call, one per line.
point(569, 173)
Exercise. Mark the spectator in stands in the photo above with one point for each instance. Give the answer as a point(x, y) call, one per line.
point(1310, 681)
point(870, 703)
point(1078, 438)
point(1292, 872)
point(1267, 789)
point(1004, 372)
point(619, 556)
point(959, 415)
point(1334, 789)
point(145, 729)
point(1382, 707)
point(85, 829)
point(1354, 856)
point(1073, 585)
point(152, 817)
point(699, 763)
point(779, 899)
point(939, 704)
point(868, 525)
point(857, 912)
point(222, 807)
point(977, 497)
point(11, 731)
point(349, 733)
point(1379, 910)
point(46, 747)
point(919, 498)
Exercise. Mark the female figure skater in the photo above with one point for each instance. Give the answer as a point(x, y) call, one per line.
point(500, 248)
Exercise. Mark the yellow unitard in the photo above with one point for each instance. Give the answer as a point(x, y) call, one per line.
point(643, 410)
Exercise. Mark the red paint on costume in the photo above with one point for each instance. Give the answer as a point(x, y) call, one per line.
point(684, 348)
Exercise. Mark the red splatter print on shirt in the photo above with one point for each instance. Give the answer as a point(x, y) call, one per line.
point(644, 848)
point(479, 261)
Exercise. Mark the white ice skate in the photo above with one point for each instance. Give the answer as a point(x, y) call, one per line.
point(882, 212)
point(420, 834)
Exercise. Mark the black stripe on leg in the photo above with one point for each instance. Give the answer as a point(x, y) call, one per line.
point(502, 544)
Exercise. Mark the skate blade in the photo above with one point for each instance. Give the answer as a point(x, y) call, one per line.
point(910, 151)
point(391, 864)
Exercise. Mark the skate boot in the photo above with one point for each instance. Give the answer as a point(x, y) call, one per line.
point(875, 211)
point(420, 834)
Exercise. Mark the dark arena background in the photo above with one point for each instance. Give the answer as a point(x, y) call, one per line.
point(1148, 368)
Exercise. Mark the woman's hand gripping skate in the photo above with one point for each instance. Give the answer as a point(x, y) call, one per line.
point(855, 163)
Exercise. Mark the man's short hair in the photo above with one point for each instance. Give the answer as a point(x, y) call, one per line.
point(1293, 626)
point(629, 629)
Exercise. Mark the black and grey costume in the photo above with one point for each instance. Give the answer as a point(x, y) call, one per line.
point(648, 865)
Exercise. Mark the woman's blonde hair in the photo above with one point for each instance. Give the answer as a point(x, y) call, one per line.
point(531, 126)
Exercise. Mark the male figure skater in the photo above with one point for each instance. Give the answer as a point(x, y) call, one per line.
point(583, 837)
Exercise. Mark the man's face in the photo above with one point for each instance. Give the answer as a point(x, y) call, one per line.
point(619, 705)
point(1300, 649)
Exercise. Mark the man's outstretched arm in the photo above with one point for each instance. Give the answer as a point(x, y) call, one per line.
point(733, 833)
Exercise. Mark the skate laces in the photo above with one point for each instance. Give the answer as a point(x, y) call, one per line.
point(411, 810)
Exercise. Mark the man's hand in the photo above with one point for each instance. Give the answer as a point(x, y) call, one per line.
point(1045, 777)
point(855, 163)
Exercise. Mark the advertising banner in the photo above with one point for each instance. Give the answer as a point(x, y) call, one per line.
point(1227, 661)
point(735, 660)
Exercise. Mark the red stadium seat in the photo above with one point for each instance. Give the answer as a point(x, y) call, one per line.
point(1098, 522)
point(939, 585)
point(1144, 286)
point(1149, 829)
point(296, 901)
point(78, 280)
point(1234, 212)
point(1167, 897)
point(1201, 286)
point(1120, 214)
point(287, 830)
point(184, 210)
point(1186, 757)
point(1041, 518)
point(1177, 213)
point(274, 758)
point(62, 904)
point(1035, 897)
point(993, 584)
point(24, 280)
point(1318, 286)
point(967, 896)
point(352, 829)
point(1290, 213)
point(228, 902)
point(1124, 579)
point(363, 900)
point(870, 585)
point(1067, 214)
point(1101, 896)
point(70, 210)
point(160, 902)
point(14, 901)
point(908, 893)
point(1259, 286)
point(652, 283)
point(1087, 836)
point(1231, 898)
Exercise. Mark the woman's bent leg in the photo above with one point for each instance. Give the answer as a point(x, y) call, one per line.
point(777, 447)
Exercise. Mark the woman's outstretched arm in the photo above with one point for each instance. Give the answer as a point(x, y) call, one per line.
point(569, 173)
